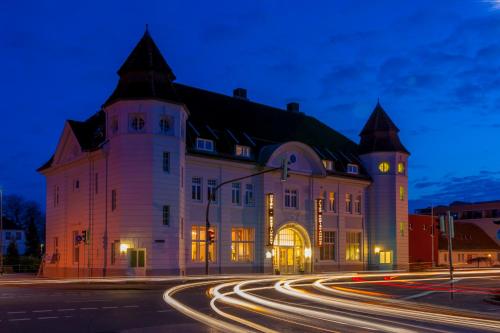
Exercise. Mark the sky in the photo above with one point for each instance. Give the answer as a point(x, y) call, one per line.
point(433, 64)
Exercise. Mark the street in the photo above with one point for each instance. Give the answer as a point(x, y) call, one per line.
point(337, 302)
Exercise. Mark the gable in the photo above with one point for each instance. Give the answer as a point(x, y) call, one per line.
point(68, 149)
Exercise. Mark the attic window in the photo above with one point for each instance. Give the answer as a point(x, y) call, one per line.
point(137, 123)
point(352, 169)
point(242, 151)
point(204, 144)
point(328, 164)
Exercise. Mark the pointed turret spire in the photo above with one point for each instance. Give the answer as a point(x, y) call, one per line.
point(380, 133)
point(145, 74)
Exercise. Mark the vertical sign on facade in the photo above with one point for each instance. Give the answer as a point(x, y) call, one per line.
point(319, 222)
point(270, 217)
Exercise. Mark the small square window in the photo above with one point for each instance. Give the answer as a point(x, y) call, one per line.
point(242, 151)
point(353, 169)
point(204, 144)
point(328, 164)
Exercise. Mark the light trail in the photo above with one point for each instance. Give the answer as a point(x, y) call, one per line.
point(340, 308)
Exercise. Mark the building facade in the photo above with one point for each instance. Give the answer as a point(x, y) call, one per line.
point(423, 231)
point(128, 188)
point(12, 233)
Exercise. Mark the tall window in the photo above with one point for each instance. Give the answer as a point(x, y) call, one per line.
point(348, 203)
point(401, 168)
point(242, 244)
point(113, 200)
point(236, 193)
point(166, 161)
point(204, 144)
point(114, 124)
point(353, 246)
point(165, 125)
point(137, 123)
point(211, 193)
point(357, 205)
point(249, 199)
point(331, 201)
point(196, 188)
point(327, 250)
point(402, 228)
point(384, 167)
point(291, 198)
point(198, 244)
point(137, 258)
point(166, 215)
point(401, 193)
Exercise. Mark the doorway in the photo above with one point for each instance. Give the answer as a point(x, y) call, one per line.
point(289, 252)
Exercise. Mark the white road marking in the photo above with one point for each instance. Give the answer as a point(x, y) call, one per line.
point(43, 318)
point(20, 319)
point(130, 306)
point(88, 308)
point(168, 310)
point(110, 307)
point(61, 310)
point(40, 311)
point(16, 312)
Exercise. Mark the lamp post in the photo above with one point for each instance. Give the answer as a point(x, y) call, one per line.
point(284, 176)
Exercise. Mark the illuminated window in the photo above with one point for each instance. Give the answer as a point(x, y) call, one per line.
point(348, 203)
point(196, 188)
point(352, 168)
point(204, 144)
point(331, 201)
point(327, 250)
point(401, 167)
point(328, 164)
point(242, 244)
point(243, 151)
point(198, 244)
point(291, 198)
point(402, 226)
point(385, 257)
point(401, 193)
point(384, 167)
point(353, 246)
point(357, 205)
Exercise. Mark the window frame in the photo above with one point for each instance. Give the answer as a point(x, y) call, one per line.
point(291, 196)
point(247, 245)
point(249, 195)
point(352, 169)
point(211, 185)
point(353, 244)
point(242, 151)
point(328, 247)
point(166, 215)
point(198, 251)
point(197, 189)
point(236, 194)
point(166, 161)
point(201, 145)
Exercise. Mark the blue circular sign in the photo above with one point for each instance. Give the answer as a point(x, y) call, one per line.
point(293, 158)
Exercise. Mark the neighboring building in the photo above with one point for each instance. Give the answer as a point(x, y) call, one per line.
point(423, 240)
point(485, 214)
point(127, 189)
point(11, 232)
point(470, 243)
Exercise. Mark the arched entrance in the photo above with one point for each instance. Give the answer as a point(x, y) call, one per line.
point(291, 250)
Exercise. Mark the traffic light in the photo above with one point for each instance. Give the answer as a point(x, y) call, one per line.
point(284, 170)
point(211, 236)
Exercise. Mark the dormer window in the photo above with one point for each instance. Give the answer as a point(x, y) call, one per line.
point(204, 144)
point(328, 164)
point(352, 169)
point(137, 123)
point(242, 151)
point(165, 125)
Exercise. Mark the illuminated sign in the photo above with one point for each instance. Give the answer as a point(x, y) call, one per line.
point(270, 217)
point(319, 222)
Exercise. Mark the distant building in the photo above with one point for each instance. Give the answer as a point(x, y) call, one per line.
point(127, 188)
point(423, 240)
point(472, 247)
point(485, 215)
point(12, 233)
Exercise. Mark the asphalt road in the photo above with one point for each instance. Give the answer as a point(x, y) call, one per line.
point(321, 303)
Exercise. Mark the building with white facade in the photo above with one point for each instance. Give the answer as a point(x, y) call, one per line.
point(127, 188)
point(12, 233)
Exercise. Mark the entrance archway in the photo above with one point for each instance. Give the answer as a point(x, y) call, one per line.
point(291, 250)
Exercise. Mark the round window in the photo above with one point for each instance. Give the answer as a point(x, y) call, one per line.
point(137, 123)
point(384, 167)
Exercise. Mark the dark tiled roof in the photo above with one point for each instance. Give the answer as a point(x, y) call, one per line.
point(91, 132)
point(380, 134)
point(469, 236)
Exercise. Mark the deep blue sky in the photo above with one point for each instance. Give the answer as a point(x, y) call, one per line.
point(434, 64)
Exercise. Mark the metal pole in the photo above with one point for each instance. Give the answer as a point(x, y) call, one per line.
point(450, 254)
point(207, 212)
point(432, 235)
point(1, 231)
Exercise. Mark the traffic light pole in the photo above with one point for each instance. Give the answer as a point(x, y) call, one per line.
point(210, 199)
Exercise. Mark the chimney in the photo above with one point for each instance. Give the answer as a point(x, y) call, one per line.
point(292, 107)
point(240, 93)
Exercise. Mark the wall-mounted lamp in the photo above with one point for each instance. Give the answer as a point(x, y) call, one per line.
point(377, 249)
point(269, 255)
point(307, 252)
point(123, 248)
